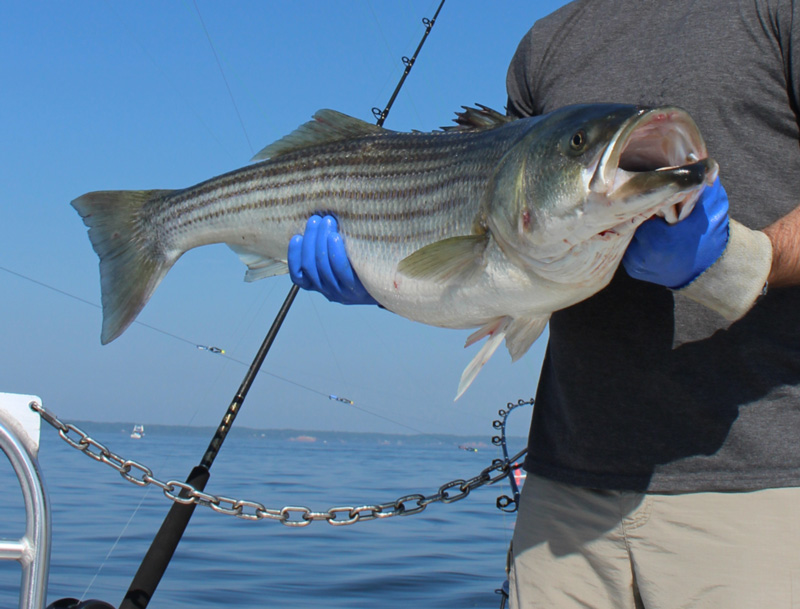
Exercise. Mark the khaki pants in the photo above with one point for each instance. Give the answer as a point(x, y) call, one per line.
point(575, 547)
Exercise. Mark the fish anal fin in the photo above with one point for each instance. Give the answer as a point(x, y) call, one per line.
point(519, 334)
point(455, 258)
point(258, 265)
point(496, 331)
point(522, 332)
point(328, 126)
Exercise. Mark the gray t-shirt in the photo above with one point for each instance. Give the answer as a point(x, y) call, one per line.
point(642, 389)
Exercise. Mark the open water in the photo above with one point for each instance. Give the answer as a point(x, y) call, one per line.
point(448, 556)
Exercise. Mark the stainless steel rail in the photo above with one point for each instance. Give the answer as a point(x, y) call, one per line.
point(19, 440)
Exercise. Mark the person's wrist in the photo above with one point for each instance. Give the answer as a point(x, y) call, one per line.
point(733, 284)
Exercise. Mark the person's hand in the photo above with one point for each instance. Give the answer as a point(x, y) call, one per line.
point(674, 255)
point(318, 261)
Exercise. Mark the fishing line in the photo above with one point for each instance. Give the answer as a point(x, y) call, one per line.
point(176, 90)
point(224, 78)
point(224, 355)
point(381, 115)
point(164, 459)
point(115, 544)
point(408, 63)
point(49, 287)
point(328, 340)
point(391, 55)
point(244, 324)
point(405, 59)
point(168, 537)
point(380, 416)
point(242, 83)
point(160, 331)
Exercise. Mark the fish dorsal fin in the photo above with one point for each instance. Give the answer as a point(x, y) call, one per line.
point(478, 119)
point(328, 126)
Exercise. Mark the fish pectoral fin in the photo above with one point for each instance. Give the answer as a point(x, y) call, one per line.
point(496, 331)
point(258, 265)
point(448, 259)
point(328, 126)
point(522, 333)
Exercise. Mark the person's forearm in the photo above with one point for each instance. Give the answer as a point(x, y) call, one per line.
point(785, 237)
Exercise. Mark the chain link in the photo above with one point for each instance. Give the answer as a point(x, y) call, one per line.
point(291, 516)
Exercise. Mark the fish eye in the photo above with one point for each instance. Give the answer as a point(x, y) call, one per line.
point(578, 141)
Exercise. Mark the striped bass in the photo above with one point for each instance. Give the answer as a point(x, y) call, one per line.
point(494, 223)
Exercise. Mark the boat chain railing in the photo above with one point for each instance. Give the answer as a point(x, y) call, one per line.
point(293, 516)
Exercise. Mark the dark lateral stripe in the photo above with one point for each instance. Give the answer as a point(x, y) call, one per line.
point(422, 234)
point(393, 156)
point(273, 196)
point(376, 184)
point(410, 169)
point(286, 208)
point(343, 156)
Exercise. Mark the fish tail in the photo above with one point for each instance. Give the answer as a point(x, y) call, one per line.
point(130, 266)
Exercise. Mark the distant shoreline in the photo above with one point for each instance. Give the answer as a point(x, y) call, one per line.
point(309, 436)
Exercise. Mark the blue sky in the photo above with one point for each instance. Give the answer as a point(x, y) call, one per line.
point(129, 95)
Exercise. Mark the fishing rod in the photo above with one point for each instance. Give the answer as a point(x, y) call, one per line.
point(381, 115)
point(157, 559)
point(166, 541)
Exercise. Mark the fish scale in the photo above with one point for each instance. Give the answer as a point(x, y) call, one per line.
point(493, 224)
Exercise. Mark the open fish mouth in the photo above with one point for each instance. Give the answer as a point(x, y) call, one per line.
point(656, 147)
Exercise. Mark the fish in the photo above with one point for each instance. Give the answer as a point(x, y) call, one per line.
point(492, 223)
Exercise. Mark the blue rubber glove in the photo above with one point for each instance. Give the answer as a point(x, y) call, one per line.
point(674, 255)
point(318, 261)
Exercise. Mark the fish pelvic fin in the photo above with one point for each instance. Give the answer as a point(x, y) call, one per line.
point(130, 269)
point(452, 259)
point(328, 126)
